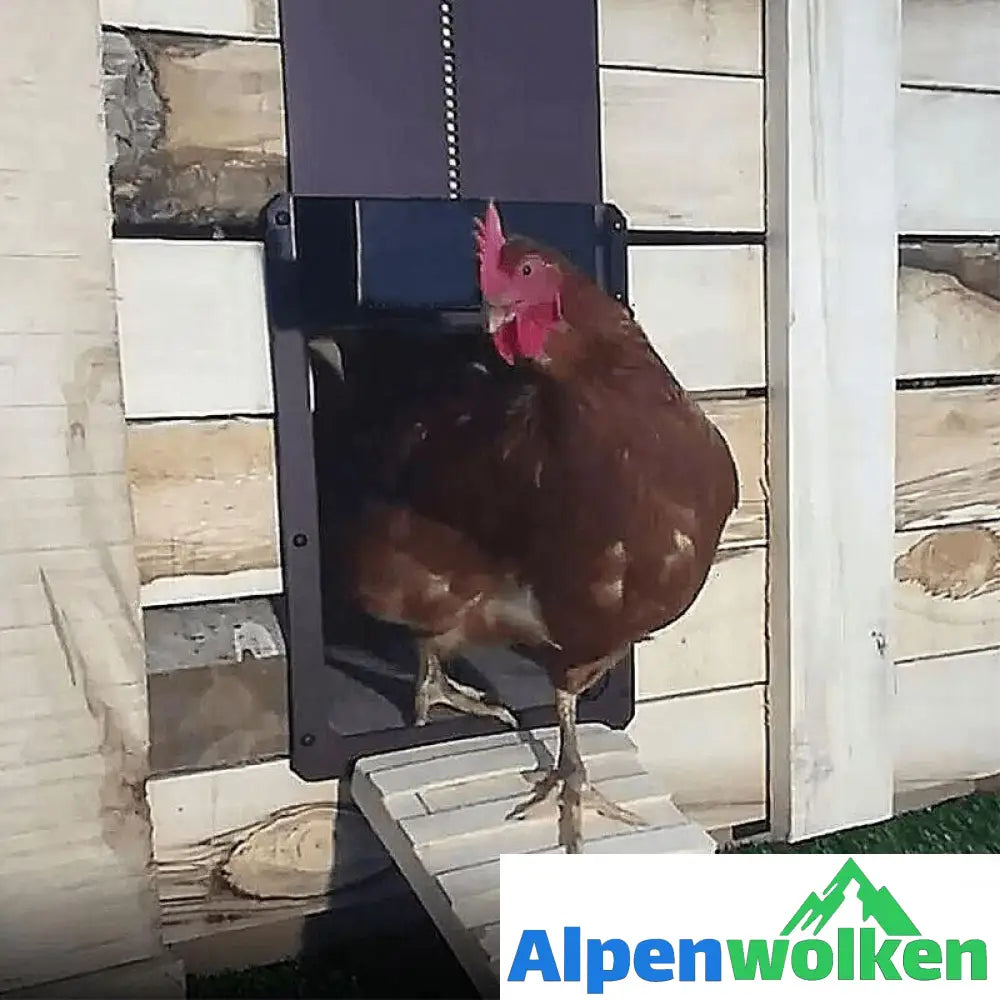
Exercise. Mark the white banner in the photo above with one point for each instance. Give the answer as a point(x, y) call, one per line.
point(738, 925)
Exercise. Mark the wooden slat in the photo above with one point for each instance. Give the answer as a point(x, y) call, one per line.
point(648, 117)
point(199, 133)
point(947, 458)
point(251, 845)
point(74, 835)
point(946, 327)
point(712, 36)
point(204, 497)
point(438, 848)
point(831, 294)
point(695, 653)
point(205, 504)
point(196, 128)
point(193, 327)
point(943, 42)
point(701, 306)
point(951, 44)
point(947, 591)
point(709, 750)
point(948, 143)
point(944, 720)
point(703, 310)
point(251, 18)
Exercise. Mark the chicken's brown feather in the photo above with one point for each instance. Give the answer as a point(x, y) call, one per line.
point(590, 487)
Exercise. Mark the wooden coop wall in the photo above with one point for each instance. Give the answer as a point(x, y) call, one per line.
point(195, 124)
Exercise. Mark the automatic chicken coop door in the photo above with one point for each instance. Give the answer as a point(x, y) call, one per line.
point(385, 291)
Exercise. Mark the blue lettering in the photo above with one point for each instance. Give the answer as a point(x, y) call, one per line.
point(710, 949)
point(597, 972)
point(571, 954)
point(525, 959)
point(650, 951)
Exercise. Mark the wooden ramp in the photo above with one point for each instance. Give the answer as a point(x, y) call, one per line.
point(440, 811)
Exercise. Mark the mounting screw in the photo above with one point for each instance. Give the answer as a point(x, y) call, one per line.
point(282, 218)
point(307, 739)
point(299, 540)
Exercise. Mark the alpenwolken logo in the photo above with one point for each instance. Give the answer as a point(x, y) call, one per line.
point(852, 930)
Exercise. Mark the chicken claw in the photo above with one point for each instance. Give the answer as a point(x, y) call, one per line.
point(575, 795)
point(435, 687)
point(576, 792)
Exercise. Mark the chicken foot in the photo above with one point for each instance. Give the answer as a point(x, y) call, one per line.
point(435, 687)
point(576, 792)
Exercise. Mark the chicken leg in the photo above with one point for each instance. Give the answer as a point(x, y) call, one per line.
point(576, 791)
point(435, 687)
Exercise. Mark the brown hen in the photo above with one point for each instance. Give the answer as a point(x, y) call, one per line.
point(572, 506)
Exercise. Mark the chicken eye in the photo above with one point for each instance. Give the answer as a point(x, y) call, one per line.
point(526, 270)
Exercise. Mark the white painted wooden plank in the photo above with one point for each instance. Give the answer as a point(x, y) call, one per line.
point(832, 81)
point(944, 42)
point(708, 749)
point(246, 845)
point(701, 307)
point(951, 42)
point(945, 720)
point(682, 151)
point(240, 18)
point(80, 896)
point(948, 146)
point(722, 36)
point(198, 587)
point(193, 326)
point(703, 310)
point(695, 653)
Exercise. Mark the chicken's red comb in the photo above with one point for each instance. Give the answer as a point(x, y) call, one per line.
point(489, 242)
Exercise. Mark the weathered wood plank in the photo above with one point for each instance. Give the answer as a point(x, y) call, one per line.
point(648, 117)
point(701, 306)
point(948, 142)
point(942, 42)
point(709, 750)
point(832, 81)
point(944, 718)
point(695, 653)
point(204, 497)
point(947, 594)
point(703, 310)
point(193, 327)
point(947, 458)
point(947, 326)
point(195, 127)
point(251, 845)
point(196, 133)
point(711, 36)
point(205, 502)
point(75, 881)
point(251, 18)
point(951, 44)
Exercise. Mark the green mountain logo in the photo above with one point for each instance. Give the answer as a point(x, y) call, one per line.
point(877, 904)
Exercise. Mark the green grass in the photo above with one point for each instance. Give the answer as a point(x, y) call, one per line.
point(421, 965)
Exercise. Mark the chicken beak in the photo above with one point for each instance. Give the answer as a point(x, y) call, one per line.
point(495, 316)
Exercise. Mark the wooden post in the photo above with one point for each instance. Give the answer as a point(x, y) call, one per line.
point(832, 77)
point(76, 889)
